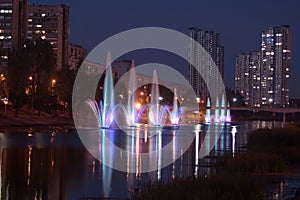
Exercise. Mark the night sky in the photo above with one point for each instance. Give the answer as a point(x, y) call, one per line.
point(239, 23)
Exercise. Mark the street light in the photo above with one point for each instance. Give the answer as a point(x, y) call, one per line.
point(52, 86)
point(234, 101)
point(5, 101)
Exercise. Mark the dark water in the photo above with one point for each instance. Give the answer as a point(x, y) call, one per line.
point(52, 162)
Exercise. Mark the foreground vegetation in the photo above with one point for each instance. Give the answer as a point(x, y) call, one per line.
point(214, 187)
point(281, 142)
point(269, 151)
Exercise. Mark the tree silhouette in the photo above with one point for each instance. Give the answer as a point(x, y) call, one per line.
point(64, 87)
point(17, 78)
point(42, 69)
point(31, 68)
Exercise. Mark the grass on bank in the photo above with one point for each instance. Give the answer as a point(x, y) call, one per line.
point(214, 187)
point(281, 142)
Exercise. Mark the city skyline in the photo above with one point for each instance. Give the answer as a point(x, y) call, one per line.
point(239, 24)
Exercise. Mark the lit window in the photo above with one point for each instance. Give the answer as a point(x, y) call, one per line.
point(39, 26)
point(287, 76)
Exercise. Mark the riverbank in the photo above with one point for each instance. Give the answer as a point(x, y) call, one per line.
point(28, 118)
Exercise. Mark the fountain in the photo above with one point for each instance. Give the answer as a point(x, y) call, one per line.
point(105, 110)
point(228, 116)
point(208, 114)
point(131, 108)
point(221, 112)
point(223, 107)
point(217, 112)
point(156, 111)
point(176, 112)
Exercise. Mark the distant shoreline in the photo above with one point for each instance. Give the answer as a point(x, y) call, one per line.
point(7, 122)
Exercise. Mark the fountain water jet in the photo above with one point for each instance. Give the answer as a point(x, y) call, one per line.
point(223, 108)
point(228, 116)
point(104, 112)
point(176, 112)
point(156, 111)
point(217, 111)
point(208, 114)
point(131, 109)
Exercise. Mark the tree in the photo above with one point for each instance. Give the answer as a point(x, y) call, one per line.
point(42, 70)
point(64, 88)
point(17, 79)
point(231, 94)
point(31, 69)
point(3, 86)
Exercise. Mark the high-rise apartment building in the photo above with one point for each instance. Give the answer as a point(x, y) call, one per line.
point(265, 74)
point(51, 23)
point(242, 75)
point(210, 41)
point(13, 27)
point(254, 79)
point(275, 66)
point(247, 77)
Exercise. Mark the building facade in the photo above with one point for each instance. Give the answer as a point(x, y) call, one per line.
point(76, 56)
point(51, 23)
point(262, 77)
point(242, 76)
point(254, 79)
point(13, 27)
point(210, 41)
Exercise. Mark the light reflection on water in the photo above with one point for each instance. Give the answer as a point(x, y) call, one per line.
point(53, 164)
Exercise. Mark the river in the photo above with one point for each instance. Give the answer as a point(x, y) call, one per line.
point(52, 162)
